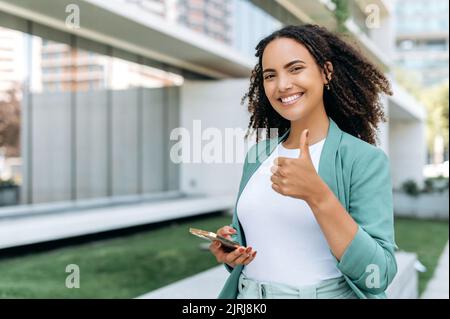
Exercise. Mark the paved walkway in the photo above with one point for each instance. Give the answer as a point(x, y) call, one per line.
point(205, 285)
point(437, 287)
point(36, 228)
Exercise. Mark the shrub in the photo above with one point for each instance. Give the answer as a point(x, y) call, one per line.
point(410, 187)
point(431, 185)
point(5, 183)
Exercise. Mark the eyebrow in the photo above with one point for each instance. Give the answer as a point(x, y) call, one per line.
point(286, 66)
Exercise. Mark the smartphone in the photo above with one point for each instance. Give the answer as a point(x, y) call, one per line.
point(227, 245)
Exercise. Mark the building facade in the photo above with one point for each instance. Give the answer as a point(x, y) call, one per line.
point(101, 100)
point(422, 42)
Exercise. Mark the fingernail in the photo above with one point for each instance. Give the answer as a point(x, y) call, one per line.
point(254, 254)
point(241, 250)
point(248, 249)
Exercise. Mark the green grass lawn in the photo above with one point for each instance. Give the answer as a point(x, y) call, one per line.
point(115, 268)
point(427, 238)
point(129, 266)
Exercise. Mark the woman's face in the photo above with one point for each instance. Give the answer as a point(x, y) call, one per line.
point(293, 82)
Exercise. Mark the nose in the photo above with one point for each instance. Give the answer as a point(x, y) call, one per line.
point(284, 83)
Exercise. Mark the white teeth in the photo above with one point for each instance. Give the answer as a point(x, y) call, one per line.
point(291, 98)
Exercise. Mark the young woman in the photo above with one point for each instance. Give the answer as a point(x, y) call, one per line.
point(315, 201)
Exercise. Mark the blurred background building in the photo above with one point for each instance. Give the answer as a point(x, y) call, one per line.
point(422, 39)
point(99, 100)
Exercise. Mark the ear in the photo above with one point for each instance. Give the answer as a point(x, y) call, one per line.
point(327, 72)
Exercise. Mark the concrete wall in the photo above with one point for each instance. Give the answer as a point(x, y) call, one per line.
point(119, 145)
point(383, 35)
point(92, 154)
point(407, 150)
point(217, 105)
point(51, 145)
point(428, 206)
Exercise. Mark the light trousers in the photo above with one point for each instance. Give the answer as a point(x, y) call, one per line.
point(335, 288)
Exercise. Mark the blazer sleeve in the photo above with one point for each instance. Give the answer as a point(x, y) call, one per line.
point(369, 259)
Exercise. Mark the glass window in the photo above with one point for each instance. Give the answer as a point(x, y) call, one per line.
point(49, 118)
point(94, 119)
point(12, 82)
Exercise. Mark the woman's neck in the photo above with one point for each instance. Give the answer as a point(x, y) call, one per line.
point(317, 126)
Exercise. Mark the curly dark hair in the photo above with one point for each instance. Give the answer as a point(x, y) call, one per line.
point(353, 99)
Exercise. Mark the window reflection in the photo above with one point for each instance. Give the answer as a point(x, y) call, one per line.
point(90, 120)
point(237, 23)
point(12, 74)
point(127, 74)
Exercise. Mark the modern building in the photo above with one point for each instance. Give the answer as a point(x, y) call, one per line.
point(92, 129)
point(11, 58)
point(210, 17)
point(64, 68)
point(422, 54)
point(422, 41)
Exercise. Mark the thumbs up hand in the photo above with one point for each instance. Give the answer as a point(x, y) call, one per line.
point(297, 177)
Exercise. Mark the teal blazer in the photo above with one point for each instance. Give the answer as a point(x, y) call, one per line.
point(358, 173)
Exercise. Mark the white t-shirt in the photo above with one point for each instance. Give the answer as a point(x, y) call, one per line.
point(291, 246)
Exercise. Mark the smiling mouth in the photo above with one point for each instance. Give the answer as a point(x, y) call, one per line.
point(291, 99)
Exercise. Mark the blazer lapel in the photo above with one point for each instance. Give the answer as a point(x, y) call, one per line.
point(327, 162)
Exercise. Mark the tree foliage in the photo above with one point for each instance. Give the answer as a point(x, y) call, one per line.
point(10, 123)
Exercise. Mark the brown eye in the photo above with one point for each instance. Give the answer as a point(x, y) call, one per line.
point(298, 68)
